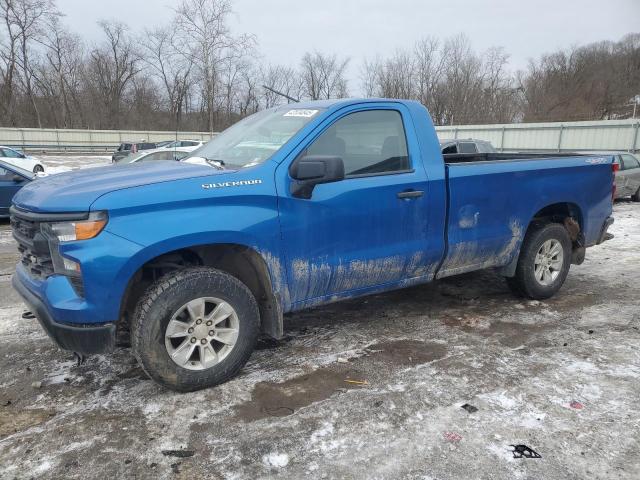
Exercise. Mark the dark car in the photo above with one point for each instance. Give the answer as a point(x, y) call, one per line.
point(12, 179)
point(466, 145)
point(127, 148)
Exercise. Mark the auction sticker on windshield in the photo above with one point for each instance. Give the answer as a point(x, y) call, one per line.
point(300, 113)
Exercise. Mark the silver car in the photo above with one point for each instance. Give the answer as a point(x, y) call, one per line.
point(628, 177)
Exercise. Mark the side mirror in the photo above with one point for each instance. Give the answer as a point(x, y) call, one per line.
point(312, 170)
point(17, 179)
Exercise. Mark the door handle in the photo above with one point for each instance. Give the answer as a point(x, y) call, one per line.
point(410, 194)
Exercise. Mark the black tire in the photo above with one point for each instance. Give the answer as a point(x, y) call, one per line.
point(636, 196)
point(524, 283)
point(165, 297)
point(38, 169)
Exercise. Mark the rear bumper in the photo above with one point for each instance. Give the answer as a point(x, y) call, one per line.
point(84, 339)
point(604, 235)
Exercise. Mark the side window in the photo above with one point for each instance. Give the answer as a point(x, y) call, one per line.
point(629, 162)
point(6, 175)
point(10, 153)
point(158, 156)
point(368, 142)
point(485, 147)
point(179, 155)
point(2, 152)
point(468, 147)
point(450, 149)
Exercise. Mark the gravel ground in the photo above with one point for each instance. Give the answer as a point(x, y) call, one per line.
point(369, 388)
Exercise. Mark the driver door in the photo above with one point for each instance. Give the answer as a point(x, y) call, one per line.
point(367, 230)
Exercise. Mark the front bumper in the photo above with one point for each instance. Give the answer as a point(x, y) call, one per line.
point(604, 235)
point(84, 339)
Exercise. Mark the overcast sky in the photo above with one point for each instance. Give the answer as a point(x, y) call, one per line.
point(285, 29)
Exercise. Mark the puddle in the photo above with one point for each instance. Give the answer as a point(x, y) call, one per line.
point(407, 352)
point(509, 334)
point(282, 399)
point(12, 421)
point(270, 399)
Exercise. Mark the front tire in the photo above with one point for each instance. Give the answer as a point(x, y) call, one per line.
point(195, 328)
point(38, 169)
point(636, 196)
point(544, 262)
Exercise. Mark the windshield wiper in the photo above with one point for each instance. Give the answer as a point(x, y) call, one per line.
point(214, 162)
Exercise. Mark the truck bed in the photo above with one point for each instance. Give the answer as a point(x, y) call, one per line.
point(492, 197)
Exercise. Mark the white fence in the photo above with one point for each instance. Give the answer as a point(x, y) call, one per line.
point(553, 137)
point(544, 137)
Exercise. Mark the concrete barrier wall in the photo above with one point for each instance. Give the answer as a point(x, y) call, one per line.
point(546, 137)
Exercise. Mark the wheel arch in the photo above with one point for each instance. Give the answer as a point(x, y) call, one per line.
point(243, 262)
point(558, 212)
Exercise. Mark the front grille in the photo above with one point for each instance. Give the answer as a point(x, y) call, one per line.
point(33, 246)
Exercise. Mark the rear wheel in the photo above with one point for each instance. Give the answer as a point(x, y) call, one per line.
point(195, 328)
point(544, 261)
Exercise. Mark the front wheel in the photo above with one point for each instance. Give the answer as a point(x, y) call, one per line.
point(38, 169)
point(544, 261)
point(195, 328)
point(636, 196)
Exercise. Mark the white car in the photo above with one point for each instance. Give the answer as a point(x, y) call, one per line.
point(191, 145)
point(153, 155)
point(26, 162)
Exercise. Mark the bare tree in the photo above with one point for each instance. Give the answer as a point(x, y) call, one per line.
point(25, 20)
point(206, 40)
point(281, 79)
point(112, 66)
point(170, 67)
point(324, 76)
point(59, 77)
point(9, 45)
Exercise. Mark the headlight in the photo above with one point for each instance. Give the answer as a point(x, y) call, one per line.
point(70, 231)
point(76, 230)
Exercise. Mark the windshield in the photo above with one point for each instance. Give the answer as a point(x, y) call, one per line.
point(256, 138)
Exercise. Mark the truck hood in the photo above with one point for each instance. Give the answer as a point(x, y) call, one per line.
point(76, 191)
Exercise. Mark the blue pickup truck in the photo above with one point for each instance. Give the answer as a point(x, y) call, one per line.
point(292, 207)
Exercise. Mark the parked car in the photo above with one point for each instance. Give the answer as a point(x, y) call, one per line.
point(468, 145)
point(628, 177)
point(191, 144)
point(12, 179)
point(152, 155)
point(19, 159)
point(127, 148)
point(302, 205)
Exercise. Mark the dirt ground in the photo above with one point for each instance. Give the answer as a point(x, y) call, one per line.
point(369, 388)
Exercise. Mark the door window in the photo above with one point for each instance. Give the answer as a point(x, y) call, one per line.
point(467, 147)
point(5, 175)
point(450, 149)
point(629, 162)
point(368, 142)
point(166, 155)
point(11, 153)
